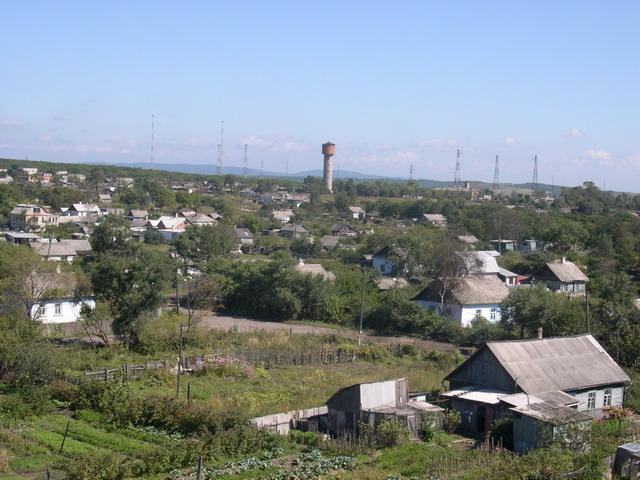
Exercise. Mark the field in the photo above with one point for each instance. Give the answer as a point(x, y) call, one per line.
point(29, 444)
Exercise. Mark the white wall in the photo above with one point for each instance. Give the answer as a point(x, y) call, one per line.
point(465, 314)
point(69, 311)
point(617, 397)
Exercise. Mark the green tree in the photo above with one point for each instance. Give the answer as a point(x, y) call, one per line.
point(201, 244)
point(112, 234)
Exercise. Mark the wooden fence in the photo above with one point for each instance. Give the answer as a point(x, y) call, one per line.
point(259, 358)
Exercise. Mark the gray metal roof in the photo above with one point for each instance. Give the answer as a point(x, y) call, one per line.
point(563, 363)
point(481, 290)
point(567, 271)
point(553, 414)
point(480, 262)
point(63, 248)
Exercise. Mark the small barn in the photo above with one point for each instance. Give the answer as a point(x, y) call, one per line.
point(372, 403)
point(562, 276)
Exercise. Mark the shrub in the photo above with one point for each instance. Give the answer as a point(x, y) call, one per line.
point(95, 467)
point(63, 391)
point(451, 421)
point(502, 433)
point(310, 439)
point(390, 432)
point(4, 460)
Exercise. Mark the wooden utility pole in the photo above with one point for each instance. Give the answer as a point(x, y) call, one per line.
point(362, 306)
point(179, 364)
point(64, 438)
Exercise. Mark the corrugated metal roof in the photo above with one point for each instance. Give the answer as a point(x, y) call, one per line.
point(483, 290)
point(476, 394)
point(563, 363)
point(567, 271)
point(553, 414)
point(480, 263)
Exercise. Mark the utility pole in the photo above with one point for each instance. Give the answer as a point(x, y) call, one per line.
point(362, 305)
point(534, 180)
point(179, 364)
point(496, 176)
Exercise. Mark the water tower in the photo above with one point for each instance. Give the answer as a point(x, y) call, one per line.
point(328, 151)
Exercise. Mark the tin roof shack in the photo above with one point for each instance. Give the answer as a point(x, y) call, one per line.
point(627, 461)
point(540, 424)
point(309, 420)
point(577, 366)
point(371, 403)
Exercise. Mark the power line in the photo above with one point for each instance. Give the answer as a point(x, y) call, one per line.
point(496, 175)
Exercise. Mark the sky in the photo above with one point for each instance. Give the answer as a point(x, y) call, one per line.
point(392, 84)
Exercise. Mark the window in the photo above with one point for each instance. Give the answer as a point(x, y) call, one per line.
point(591, 401)
point(478, 313)
point(42, 311)
point(607, 397)
point(58, 309)
point(494, 313)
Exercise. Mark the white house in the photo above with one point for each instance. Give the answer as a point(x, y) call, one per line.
point(62, 250)
point(82, 210)
point(283, 216)
point(357, 213)
point(386, 260)
point(58, 302)
point(476, 297)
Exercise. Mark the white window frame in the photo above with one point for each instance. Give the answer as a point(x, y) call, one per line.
point(494, 313)
point(478, 313)
point(42, 310)
point(591, 400)
point(608, 395)
point(57, 309)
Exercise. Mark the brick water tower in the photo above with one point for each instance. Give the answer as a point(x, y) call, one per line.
point(328, 151)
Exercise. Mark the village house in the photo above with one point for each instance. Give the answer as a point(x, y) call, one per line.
point(475, 297)
point(82, 210)
point(62, 250)
point(565, 373)
point(329, 242)
point(31, 174)
point(468, 239)
point(31, 217)
point(562, 276)
point(294, 231)
point(387, 259)
point(104, 198)
point(169, 227)
point(200, 219)
point(283, 216)
point(357, 213)
point(244, 237)
point(342, 230)
point(134, 214)
point(58, 303)
point(434, 219)
point(314, 269)
point(530, 246)
point(504, 246)
point(387, 283)
point(298, 199)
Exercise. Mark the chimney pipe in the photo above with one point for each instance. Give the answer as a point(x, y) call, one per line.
point(564, 259)
point(539, 333)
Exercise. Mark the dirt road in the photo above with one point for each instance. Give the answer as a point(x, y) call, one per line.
point(227, 322)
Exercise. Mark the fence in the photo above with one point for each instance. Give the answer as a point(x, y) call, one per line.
point(259, 358)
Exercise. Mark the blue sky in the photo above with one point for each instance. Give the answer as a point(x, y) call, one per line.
point(391, 83)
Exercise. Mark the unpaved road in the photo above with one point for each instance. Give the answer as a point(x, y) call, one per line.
point(228, 322)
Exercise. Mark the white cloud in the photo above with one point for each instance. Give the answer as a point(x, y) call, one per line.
point(575, 132)
point(276, 144)
point(509, 141)
point(438, 143)
point(12, 123)
point(598, 154)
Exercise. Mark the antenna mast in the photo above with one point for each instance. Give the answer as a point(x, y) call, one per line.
point(152, 140)
point(534, 182)
point(411, 172)
point(220, 150)
point(261, 168)
point(456, 175)
point(245, 162)
point(496, 176)
point(286, 169)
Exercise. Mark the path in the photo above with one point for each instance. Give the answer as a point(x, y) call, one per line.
point(227, 322)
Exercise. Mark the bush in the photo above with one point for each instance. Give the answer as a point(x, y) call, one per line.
point(95, 467)
point(310, 439)
point(63, 391)
point(390, 432)
point(451, 420)
point(502, 433)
